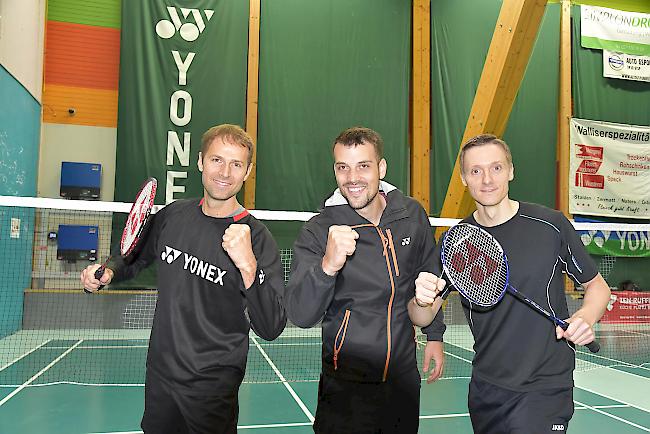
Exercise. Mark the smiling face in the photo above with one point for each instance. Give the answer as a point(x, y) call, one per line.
point(224, 167)
point(487, 171)
point(357, 174)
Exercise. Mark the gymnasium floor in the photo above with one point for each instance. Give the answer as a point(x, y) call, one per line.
point(105, 395)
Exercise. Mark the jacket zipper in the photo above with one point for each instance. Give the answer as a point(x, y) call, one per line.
point(343, 328)
point(387, 243)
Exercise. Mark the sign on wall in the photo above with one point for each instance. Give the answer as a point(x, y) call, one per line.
point(611, 29)
point(626, 66)
point(609, 169)
point(182, 71)
point(627, 307)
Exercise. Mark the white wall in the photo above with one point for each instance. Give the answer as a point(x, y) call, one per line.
point(22, 24)
point(79, 143)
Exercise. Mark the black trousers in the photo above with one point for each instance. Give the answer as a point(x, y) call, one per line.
point(494, 410)
point(168, 410)
point(359, 408)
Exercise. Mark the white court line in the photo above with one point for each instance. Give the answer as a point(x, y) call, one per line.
point(452, 355)
point(603, 406)
point(444, 416)
point(41, 372)
point(289, 344)
point(612, 398)
point(301, 404)
point(102, 347)
point(24, 355)
point(616, 361)
point(275, 425)
point(613, 416)
point(77, 383)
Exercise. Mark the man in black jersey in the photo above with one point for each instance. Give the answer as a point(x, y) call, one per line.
point(522, 376)
point(355, 266)
point(219, 274)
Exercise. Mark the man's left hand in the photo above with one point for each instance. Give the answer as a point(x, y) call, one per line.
point(237, 243)
point(434, 350)
point(580, 332)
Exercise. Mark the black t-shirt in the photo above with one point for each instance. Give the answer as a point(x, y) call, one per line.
point(515, 346)
point(204, 313)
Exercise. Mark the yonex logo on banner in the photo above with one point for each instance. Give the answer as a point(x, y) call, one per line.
point(189, 31)
point(170, 254)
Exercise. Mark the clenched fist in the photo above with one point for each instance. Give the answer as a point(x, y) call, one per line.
point(89, 281)
point(341, 243)
point(427, 287)
point(237, 244)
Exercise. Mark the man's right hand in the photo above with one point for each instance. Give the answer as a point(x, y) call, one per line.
point(341, 243)
point(88, 277)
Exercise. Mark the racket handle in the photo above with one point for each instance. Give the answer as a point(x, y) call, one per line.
point(593, 346)
point(98, 275)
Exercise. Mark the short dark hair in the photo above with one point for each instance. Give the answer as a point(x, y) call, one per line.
point(356, 136)
point(481, 140)
point(229, 133)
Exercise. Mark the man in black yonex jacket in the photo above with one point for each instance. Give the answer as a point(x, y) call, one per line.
point(219, 274)
point(354, 267)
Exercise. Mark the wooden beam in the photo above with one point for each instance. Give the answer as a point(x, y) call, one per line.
point(504, 68)
point(564, 110)
point(252, 92)
point(421, 104)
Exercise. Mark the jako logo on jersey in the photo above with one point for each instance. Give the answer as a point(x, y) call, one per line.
point(261, 276)
point(406, 241)
point(188, 30)
point(557, 428)
point(170, 254)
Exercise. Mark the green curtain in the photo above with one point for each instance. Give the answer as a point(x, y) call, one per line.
point(459, 45)
point(326, 66)
point(215, 80)
point(604, 99)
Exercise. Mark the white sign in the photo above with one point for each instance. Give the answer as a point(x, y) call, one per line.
point(15, 228)
point(611, 29)
point(609, 169)
point(626, 66)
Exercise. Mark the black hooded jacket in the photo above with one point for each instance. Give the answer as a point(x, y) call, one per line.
point(367, 333)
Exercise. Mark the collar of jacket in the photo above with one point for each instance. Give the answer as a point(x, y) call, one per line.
point(395, 206)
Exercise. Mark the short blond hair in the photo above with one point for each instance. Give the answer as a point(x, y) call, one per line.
point(481, 140)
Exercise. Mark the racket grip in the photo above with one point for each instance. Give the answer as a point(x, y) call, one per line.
point(593, 346)
point(98, 275)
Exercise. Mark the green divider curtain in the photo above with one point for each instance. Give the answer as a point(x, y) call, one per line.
point(461, 31)
point(182, 70)
point(326, 66)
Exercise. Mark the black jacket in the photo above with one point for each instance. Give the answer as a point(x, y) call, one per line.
point(204, 313)
point(367, 333)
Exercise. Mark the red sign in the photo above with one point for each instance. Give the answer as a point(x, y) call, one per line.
point(590, 181)
point(628, 307)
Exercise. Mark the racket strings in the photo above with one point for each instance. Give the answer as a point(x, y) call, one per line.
point(137, 216)
point(475, 264)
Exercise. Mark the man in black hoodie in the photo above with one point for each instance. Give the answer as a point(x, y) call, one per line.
point(355, 266)
point(219, 274)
